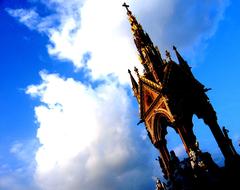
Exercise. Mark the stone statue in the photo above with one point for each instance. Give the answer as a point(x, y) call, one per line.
point(193, 158)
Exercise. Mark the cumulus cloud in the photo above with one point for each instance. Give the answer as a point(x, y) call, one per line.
point(27, 17)
point(32, 19)
point(86, 139)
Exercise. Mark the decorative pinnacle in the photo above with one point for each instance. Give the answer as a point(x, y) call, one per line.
point(174, 48)
point(136, 71)
point(168, 55)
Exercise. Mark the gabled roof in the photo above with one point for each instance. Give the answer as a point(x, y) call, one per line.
point(150, 93)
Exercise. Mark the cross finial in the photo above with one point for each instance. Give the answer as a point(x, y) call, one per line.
point(126, 6)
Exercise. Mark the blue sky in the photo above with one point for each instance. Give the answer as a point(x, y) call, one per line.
point(50, 89)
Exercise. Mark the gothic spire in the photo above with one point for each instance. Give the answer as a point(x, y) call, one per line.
point(138, 33)
point(149, 55)
point(168, 55)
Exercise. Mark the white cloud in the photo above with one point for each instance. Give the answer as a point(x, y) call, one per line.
point(100, 33)
point(32, 19)
point(86, 137)
point(101, 29)
point(28, 17)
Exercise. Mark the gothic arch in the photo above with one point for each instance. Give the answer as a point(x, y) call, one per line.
point(160, 123)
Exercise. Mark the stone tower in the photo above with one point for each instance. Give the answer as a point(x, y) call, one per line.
point(169, 95)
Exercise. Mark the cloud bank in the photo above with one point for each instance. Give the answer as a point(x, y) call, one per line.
point(85, 132)
point(87, 139)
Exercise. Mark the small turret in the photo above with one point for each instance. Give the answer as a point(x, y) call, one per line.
point(168, 55)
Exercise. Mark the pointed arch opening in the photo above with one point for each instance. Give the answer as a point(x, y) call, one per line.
point(164, 131)
point(175, 143)
point(206, 140)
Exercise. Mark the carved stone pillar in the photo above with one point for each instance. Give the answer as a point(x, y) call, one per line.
point(184, 127)
point(207, 113)
point(220, 139)
point(164, 154)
